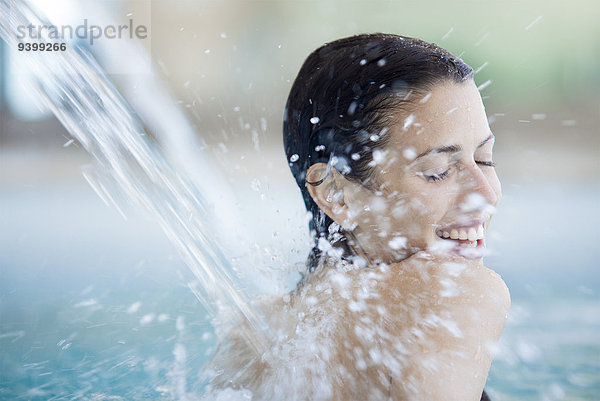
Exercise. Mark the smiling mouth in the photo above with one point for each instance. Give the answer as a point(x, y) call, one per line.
point(471, 236)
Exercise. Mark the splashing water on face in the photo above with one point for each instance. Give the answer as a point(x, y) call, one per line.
point(128, 164)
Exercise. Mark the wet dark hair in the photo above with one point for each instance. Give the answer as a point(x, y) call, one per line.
point(341, 102)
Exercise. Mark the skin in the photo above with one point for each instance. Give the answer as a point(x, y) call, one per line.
point(451, 132)
point(422, 329)
point(423, 324)
point(408, 206)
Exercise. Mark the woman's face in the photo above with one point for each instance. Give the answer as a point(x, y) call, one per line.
point(437, 187)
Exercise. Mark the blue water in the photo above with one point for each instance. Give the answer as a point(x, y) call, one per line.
point(89, 302)
point(93, 307)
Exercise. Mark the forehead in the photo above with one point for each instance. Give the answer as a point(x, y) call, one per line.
point(450, 114)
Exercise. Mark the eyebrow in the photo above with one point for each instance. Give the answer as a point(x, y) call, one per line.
point(453, 148)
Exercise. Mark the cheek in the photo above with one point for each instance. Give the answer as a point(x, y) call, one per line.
point(425, 205)
point(494, 183)
point(433, 200)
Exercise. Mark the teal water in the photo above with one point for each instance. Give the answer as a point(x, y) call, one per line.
point(93, 307)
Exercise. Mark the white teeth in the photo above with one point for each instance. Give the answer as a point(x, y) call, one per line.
point(472, 234)
point(480, 232)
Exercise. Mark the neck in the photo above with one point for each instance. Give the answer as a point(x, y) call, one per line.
point(371, 251)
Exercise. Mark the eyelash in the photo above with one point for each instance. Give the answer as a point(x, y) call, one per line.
point(437, 177)
point(441, 176)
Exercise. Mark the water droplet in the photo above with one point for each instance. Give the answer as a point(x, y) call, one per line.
point(408, 121)
point(481, 67)
point(452, 110)
point(263, 124)
point(484, 85)
point(447, 34)
point(133, 308)
point(535, 21)
point(352, 108)
point(315, 120)
point(147, 319)
point(378, 156)
point(484, 37)
point(294, 158)
point(410, 153)
point(255, 185)
point(363, 61)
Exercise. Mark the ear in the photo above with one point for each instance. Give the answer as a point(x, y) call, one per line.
point(332, 194)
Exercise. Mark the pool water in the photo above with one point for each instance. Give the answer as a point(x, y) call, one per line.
point(95, 307)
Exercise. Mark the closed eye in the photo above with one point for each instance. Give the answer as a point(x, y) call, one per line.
point(436, 177)
point(487, 164)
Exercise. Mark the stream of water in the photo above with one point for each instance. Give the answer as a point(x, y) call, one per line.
point(127, 164)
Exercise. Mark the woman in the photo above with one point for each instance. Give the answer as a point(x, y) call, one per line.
point(389, 143)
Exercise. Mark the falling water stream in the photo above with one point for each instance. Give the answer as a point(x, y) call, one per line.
point(128, 164)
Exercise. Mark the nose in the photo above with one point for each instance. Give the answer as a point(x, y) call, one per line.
point(473, 180)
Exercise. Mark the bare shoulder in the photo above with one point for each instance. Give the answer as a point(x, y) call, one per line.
point(451, 277)
point(433, 309)
point(358, 327)
point(497, 286)
point(423, 280)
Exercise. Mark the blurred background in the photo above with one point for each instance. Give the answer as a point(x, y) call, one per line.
point(94, 306)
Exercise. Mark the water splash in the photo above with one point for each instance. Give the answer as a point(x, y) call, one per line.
point(127, 164)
